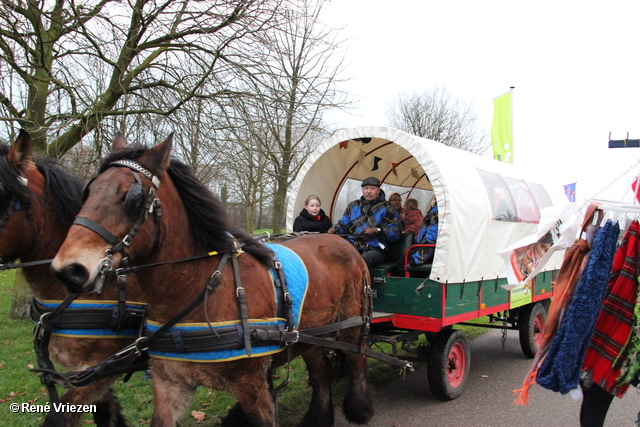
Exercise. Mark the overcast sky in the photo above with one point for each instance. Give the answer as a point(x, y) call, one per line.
point(574, 65)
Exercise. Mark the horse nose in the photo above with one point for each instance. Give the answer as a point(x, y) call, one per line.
point(73, 276)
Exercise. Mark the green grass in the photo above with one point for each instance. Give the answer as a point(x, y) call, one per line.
point(19, 385)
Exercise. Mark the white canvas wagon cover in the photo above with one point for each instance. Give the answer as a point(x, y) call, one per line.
point(484, 205)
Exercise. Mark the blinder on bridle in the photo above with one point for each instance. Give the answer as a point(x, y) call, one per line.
point(134, 201)
point(11, 203)
point(137, 205)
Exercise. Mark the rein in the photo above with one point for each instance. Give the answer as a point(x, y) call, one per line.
point(135, 268)
point(14, 266)
point(41, 338)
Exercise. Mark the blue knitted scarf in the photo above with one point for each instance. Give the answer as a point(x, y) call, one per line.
point(561, 369)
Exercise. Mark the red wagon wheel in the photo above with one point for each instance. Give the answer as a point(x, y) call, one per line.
point(449, 363)
point(531, 321)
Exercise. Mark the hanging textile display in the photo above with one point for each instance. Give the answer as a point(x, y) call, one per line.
point(560, 371)
point(572, 265)
point(608, 349)
point(630, 372)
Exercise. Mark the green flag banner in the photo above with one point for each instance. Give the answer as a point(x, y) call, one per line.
point(502, 129)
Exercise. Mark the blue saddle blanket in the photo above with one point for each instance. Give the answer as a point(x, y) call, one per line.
point(297, 279)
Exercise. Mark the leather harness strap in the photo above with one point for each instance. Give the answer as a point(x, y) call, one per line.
point(115, 319)
point(97, 228)
point(41, 338)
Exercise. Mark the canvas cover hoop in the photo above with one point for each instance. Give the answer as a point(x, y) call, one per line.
point(468, 239)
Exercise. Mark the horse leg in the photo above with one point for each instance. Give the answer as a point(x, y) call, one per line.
point(109, 412)
point(171, 399)
point(99, 393)
point(320, 411)
point(358, 403)
point(249, 386)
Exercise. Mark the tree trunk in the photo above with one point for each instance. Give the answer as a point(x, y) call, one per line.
point(20, 298)
point(278, 206)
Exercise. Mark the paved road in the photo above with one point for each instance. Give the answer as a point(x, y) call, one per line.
point(487, 400)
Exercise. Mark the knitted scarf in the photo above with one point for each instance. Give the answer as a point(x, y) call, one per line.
point(607, 351)
point(563, 289)
point(560, 370)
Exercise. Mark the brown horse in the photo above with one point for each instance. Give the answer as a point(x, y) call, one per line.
point(193, 222)
point(38, 201)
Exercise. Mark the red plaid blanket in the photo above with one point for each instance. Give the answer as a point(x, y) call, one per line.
point(607, 350)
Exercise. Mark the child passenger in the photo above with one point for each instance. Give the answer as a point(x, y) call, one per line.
point(412, 218)
point(312, 217)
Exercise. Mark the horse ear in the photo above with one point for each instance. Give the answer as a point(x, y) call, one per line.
point(118, 142)
point(158, 157)
point(21, 151)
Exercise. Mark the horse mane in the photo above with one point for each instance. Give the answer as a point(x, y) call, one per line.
point(65, 187)
point(208, 217)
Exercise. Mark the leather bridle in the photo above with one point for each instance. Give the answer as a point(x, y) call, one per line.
point(16, 204)
point(151, 205)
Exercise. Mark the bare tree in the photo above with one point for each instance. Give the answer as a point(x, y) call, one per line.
point(65, 66)
point(297, 79)
point(436, 115)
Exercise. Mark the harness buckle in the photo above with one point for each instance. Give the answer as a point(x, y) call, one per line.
point(135, 347)
point(297, 337)
point(37, 332)
point(44, 316)
point(106, 264)
point(239, 291)
point(140, 340)
point(278, 265)
point(127, 239)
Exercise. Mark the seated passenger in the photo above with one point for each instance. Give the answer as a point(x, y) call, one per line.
point(396, 200)
point(312, 217)
point(427, 235)
point(371, 223)
point(412, 218)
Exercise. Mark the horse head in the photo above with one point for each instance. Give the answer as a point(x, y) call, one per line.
point(117, 206)
point(38, 201)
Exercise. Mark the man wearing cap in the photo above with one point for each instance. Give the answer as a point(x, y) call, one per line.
point(371, 223)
